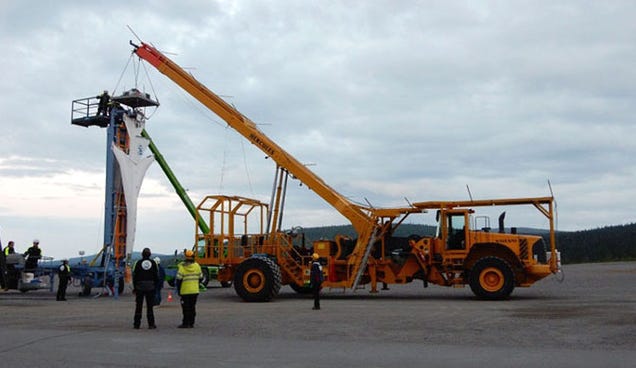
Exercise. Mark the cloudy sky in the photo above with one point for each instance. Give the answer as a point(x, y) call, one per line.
point(385, 99)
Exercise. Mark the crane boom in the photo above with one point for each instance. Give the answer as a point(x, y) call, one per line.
point(357, 215)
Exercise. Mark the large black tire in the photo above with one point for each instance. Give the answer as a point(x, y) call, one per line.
point(491, 278)
point(206, 276)
point(301, 289)
point(257, 279)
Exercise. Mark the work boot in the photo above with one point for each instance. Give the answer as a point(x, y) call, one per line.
point(152, 327)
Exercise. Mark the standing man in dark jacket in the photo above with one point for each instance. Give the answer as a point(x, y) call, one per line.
point(33, 254)
point(63, 275)
point(102, 106)
point(145, 278)
point(316, 278)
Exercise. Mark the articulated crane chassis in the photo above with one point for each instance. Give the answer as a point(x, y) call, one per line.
point(259, 263)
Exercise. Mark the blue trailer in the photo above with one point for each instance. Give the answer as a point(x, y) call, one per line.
point(19, 278)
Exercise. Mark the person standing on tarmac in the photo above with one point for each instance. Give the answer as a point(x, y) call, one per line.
point(63, 275)
point(145, 276)
point(188, 277)
point(9, 269)
point(3, 266)
point(162, 277)
point(316, 278)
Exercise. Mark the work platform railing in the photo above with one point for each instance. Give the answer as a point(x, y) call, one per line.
point(84, 112)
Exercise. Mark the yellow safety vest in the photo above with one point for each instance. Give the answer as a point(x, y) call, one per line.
point(189, 274)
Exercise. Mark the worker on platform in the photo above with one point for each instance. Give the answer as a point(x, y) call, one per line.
point(188, 276)
point(33, 254)
point(145, 276)
point(10, 249)
point(162, 277)
point(64, 276)
point(102, 107)
point(316, 278)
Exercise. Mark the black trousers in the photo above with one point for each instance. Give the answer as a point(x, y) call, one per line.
point(3, 267)
point(30, 266)
point(61, 289)
point(149, 296)
point(316, 291)
point(188, 307)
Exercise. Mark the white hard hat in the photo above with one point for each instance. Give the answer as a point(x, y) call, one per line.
point(36, 240)
point(157, 260)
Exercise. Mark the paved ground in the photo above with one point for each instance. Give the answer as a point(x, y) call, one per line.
point(588, 320)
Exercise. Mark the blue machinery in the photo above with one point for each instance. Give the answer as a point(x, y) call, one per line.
point(106, 112)
point(87, 112)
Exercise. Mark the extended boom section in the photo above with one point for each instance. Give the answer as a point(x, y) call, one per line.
point(248, 129)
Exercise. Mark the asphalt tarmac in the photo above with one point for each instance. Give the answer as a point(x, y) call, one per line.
point(587, 320)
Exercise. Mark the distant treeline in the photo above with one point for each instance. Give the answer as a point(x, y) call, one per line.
point(611, 243)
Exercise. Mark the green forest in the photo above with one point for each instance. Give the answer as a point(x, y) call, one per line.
point(606, 244)
point(610, 243)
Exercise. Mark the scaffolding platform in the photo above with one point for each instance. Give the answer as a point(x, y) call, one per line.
point(135, 98)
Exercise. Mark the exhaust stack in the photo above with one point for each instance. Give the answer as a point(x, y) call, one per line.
point(502, 229)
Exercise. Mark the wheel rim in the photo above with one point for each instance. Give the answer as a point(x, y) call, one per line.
point(491, 279)
point(254, 280)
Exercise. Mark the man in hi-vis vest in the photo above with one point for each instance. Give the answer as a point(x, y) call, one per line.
point(188, 277)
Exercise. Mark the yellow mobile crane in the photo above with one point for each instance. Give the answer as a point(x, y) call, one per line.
point(259, 262)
